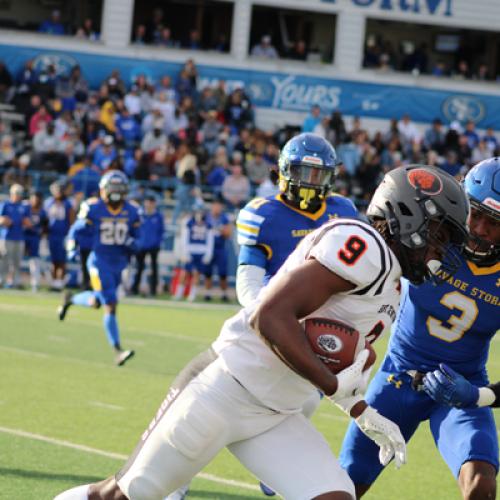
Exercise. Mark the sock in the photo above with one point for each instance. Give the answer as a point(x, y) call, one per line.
point(34, 266)
point(83, 299)
point(78, 493)
point(111, 329)
point(193, 292)
point(179, 293)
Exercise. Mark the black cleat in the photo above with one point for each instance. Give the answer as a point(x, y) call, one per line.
point(123, 356)
point(63, 309)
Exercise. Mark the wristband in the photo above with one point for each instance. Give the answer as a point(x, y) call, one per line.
point(486, 397)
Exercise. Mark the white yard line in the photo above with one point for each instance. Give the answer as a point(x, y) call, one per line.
point(25, 352)
point(56, 338)
point(116, 456)
point(107, 406)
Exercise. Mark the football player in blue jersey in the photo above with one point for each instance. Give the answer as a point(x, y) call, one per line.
point(114, 224)
point(445, 331)
point(270, 228)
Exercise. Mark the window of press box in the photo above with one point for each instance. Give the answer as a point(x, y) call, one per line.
point(432, 50)
point(76, 18)
point(292, 34)
point(188, 24)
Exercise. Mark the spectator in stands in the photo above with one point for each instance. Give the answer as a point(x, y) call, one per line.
point(350, 155)
point(222, 229)
point(39, 119)
point(179, 123)
point(491, 141)
point(391, 155)
point(439, 69)
point(25, 82)
point(222, 43)
point(128, 130)
point(84, 178)
point(153, 140)
point(193, 42)
point(7, 150)
point(105, 154)
point(257, 170)
point(18, 172)
point(323, 128)
point(133, 102)
point(264, 49)
point(371, 56)
point(452, 165)
point(165, 39)
point(165, 87)
point(151, 235)
point(210, 131)
point(107, 116)
point(206, 103)
point(434, 136)
point(184, 85)
point(408, 132)
point(337, 125)
point(79, 85)
point(312, 119)
point(480, 152)
point(269, 187)
point(220, 95)
point(192, 72)
point(5, 83)
point(46, 148)
point(14, 217)
point(238, 111)
point(53, 26)
point(298, 51)
point(464, 151)
point(462, 71)
point(218, 170)
point(471, 134)
point(88, 31)
point(155, 26)
point(116, 86)
point(236, 188)
point(187, 190)
point(140, 37)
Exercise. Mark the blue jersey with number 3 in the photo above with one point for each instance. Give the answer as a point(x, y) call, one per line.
point(452, 323)
point(113, 231)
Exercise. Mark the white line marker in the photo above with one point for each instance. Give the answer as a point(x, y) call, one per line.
point(24, 351)
point(107, 406)
point(117, 456)
point(55, 338)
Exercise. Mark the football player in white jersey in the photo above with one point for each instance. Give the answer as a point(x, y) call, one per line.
point(250, 399)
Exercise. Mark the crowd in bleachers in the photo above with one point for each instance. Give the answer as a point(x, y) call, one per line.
point(184, 144)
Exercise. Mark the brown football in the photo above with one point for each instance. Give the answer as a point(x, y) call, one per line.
point(336, 343)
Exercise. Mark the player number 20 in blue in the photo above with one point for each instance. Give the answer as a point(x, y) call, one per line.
point(113, 233)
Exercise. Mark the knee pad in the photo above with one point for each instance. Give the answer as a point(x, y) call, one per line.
point(193, 426)
point(142, 487)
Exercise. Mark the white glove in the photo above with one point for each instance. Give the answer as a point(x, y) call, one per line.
point(206, 259)
point(386, 434)
point(350, 379)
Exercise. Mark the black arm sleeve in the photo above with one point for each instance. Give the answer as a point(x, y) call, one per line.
point(496, 389)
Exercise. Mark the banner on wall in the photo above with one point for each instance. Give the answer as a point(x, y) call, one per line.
point(288, 92)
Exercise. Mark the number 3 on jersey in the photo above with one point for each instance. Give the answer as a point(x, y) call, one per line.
point(458, 323)
point(354, 248)
point(113, 233)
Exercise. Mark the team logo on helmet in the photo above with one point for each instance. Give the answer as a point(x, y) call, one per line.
point(329, 343)
point(426, 181)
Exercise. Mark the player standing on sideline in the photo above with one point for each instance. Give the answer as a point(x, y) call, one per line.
point(60, 215)
point(114, 223)
point(453, 324)
point(250, 399)
point(269, 229)
point(197, 248)
point(151, 235)
point(222, 229)
point(33, 235)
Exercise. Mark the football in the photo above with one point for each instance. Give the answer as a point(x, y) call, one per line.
point(336, 343)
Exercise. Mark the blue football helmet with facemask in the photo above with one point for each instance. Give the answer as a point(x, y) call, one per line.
point(114, 186)
point(307, 167)
point(482, 185)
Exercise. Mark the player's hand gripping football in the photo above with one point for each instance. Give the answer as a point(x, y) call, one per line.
point(351, 380)
point(386, 434)
point(448, 387)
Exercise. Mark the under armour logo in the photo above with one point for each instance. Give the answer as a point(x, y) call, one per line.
point(392, 380)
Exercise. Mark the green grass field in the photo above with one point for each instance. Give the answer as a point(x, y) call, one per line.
point(68, 416)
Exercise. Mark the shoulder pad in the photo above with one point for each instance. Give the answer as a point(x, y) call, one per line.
point(92, 201)
point(353, 250)
point(344, 204)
